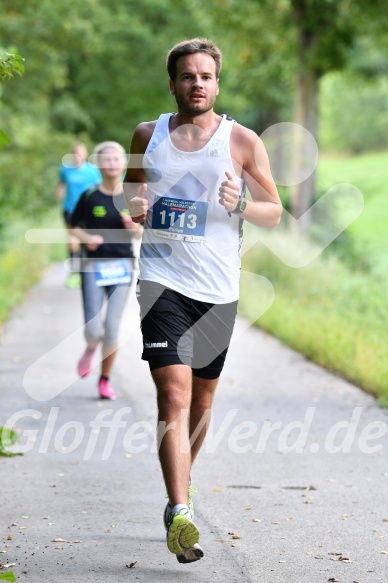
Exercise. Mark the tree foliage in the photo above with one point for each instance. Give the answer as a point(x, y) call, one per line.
point(11, 63)
point(95, 69)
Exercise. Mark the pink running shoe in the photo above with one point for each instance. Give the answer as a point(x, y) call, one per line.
point(85, 363)
point(105, 390)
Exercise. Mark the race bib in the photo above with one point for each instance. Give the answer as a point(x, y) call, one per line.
point(175, 218)
point(112, 272)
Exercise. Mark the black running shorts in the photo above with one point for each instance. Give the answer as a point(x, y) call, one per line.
point(179, 330)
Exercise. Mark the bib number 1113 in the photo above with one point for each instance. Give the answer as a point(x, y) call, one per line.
point(181, 220)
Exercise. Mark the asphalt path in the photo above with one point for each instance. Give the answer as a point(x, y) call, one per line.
point(292, 480)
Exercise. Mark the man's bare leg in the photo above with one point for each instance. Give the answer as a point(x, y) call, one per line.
point(173, 385)
point(200, 411)
point(185, 401)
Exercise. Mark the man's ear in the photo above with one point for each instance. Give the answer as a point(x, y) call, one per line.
point(171, 85)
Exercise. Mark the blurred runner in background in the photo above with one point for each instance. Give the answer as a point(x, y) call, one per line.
point(74, 179)
point(101, 222)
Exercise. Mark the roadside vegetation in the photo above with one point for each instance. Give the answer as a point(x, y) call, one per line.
point(335, 310)
point(22, 263)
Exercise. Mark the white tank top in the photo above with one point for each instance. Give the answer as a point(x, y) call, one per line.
point(191, 244)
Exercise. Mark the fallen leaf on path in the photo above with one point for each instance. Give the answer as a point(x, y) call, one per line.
point(248, 508)
point(25, 517)
point(9, 537)
point(58, 548)
point(345, 560)
point(217, 489)
point(236, 536)
point(335, 553)
point(256, 520)
point(384, 552)
point(59, 540)
point(131, 565)
point(6, 565)
point(333, 579)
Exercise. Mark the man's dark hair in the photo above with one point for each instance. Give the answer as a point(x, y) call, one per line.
point(190, 47)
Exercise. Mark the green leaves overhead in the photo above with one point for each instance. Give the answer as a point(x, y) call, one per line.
point(95, 69)
point(10, 64)
point(4, 139)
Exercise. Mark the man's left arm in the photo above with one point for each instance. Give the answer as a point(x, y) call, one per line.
point(251, 159)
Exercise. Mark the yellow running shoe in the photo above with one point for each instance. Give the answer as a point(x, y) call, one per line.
point(182, 533)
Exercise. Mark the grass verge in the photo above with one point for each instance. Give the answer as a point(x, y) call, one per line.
point(21, 263)
point(334, 316)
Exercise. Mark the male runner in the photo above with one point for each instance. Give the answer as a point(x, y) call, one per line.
point(189, 190)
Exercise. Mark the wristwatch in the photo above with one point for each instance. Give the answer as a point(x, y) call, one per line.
point(241, 206)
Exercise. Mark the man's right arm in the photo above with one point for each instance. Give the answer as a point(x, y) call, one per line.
point(135, 178)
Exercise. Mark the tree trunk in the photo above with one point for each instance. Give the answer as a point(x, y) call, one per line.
point(303, 194)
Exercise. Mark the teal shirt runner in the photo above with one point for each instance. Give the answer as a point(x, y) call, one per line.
point(77, 180)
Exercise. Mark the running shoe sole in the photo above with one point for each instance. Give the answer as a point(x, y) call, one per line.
point(190, 555)
point(182, 534)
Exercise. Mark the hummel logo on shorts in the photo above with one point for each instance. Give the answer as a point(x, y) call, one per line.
point(156, 344)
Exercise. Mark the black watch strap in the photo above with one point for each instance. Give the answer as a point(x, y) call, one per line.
point(241, 206)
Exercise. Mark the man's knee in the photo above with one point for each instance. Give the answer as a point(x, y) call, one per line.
point(173, 398)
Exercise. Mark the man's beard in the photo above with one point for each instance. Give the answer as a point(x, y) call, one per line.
point(185, 107)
